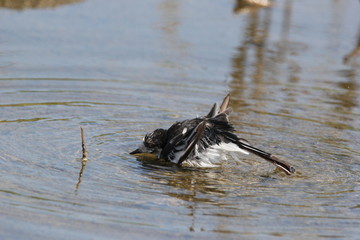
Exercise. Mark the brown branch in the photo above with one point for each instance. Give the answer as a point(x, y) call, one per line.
point(84, 154)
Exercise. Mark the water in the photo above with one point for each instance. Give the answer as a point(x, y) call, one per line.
point(123, 68)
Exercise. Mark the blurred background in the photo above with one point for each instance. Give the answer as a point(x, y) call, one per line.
point(123, 68)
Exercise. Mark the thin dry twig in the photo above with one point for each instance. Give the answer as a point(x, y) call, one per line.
point(83, 160)
point(84, 154)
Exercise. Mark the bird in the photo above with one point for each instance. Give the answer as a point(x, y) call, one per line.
point(203, 141)
point(245, 6)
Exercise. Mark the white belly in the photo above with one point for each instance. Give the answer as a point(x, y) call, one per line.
point(212, 156)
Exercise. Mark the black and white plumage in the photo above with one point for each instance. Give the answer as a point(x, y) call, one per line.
point(203, 141)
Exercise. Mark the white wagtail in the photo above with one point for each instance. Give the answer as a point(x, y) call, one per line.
point(203, 141)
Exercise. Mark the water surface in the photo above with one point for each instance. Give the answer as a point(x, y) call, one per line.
point(122, 68)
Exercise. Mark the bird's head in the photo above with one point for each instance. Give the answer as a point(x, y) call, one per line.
point(153, 142)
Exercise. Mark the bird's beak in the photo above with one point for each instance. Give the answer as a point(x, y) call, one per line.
point(137, 151)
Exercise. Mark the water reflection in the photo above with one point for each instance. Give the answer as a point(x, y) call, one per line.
point(353, 53)
point(25, 4)
point(251, 52)
point(346, 99)
point(283, 45)
point(268, 74)
point(193, 187)
point(190, 181)
point(214, 192)
point(254, 52)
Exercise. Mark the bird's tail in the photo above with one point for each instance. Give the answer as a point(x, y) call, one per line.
point(287, 168)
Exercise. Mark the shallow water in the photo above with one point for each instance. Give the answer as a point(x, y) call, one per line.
point(123, 68)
